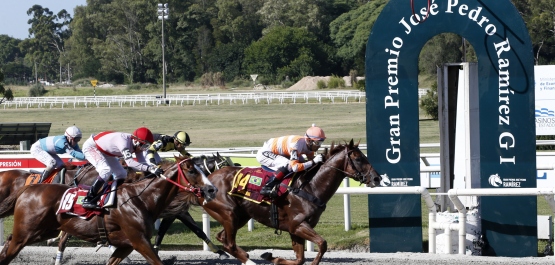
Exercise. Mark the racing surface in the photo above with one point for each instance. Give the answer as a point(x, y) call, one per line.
point(88, 256)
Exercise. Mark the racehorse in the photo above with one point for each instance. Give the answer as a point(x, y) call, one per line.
point(13, 180)
point(298, 210)
point(128, 226)
point(178, 208)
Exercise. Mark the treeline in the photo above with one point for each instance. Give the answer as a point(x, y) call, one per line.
point(119, 41)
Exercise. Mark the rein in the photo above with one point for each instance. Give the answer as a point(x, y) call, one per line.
point(182, 178)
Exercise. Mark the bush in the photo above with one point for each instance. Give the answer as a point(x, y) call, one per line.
point(212, 79)
point(240, 82)
point(429, 103)
point(37, 90)
point(336, 82)
point(287, 84)
point(321, 84)
point(360, 85)
point(134, 87)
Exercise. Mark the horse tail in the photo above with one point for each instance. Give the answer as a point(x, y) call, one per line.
point(8, 205)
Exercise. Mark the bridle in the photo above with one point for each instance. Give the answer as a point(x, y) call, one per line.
point(217, 165)
point(349, 161)
point(182, 179)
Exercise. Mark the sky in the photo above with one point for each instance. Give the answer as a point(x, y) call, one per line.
point(13, 17)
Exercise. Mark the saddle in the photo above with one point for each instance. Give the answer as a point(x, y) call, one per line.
point(248, 183)
point(72, 201)
point(34, 178)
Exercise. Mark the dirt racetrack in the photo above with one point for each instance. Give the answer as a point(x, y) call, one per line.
point(87, 256)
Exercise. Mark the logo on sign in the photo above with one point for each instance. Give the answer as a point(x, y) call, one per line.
point(495, 181)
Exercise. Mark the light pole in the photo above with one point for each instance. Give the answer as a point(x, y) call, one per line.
point(163, 14)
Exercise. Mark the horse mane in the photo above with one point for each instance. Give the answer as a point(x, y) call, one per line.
point(334, 149)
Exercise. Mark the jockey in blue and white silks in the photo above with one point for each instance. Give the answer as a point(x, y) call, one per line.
point(46, 150)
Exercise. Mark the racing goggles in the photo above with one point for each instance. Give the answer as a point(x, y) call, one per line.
point(317, 142)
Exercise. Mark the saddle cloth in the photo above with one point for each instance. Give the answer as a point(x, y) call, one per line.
point(248, 182)
point(72, 203)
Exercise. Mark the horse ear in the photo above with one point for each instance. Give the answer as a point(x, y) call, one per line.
point(351, 143)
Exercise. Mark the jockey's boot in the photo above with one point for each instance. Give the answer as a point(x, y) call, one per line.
point(92, 196)
point(276, 179)
point(45, 174)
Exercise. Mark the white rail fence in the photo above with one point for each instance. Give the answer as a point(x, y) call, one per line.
point(187, 99)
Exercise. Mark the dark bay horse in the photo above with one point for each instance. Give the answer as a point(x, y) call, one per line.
point(128, 226)
point(298, 212)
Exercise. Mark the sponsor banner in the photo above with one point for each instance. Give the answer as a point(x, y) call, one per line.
point(26, 163)
point(545, 99)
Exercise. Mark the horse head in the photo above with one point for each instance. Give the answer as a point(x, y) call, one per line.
point(192, 178)
point(356, 165)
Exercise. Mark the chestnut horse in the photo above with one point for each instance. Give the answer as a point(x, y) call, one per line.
point(178, 208)
point(128, 226)
point(13, 180)
point(299, 210)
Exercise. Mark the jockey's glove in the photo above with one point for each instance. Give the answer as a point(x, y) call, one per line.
point(319, 158)
point(155, 170)
point(157, 146)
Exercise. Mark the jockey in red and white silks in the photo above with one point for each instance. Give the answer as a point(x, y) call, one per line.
point(104, 150)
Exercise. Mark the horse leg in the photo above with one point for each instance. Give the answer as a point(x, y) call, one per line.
point(53, 240)
point(305, 232)
point(298, 247)
point(188, 220)
point(64, 237)
point(10, 250)
point(227, 238)
point(162, 229)
point(119, 255)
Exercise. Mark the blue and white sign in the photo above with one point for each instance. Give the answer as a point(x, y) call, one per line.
point(545, 99)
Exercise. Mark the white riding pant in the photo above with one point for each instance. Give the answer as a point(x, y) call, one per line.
point(49, 160)
point(104, 164)
point(270, 160)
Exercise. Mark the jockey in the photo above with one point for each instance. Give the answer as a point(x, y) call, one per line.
point(284, 154)
point(103, 151)
point(46, 150)
point(164, 143)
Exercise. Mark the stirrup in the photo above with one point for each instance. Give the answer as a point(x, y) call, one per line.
point(90, 205)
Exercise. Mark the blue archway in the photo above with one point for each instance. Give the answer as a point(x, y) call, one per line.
point(506, 104)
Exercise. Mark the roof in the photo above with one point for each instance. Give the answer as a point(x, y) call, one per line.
point(14, 133)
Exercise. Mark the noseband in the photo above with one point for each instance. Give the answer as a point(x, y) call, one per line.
point(348, 161)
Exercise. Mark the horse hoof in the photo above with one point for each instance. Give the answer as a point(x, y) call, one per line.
point(267, 256)
point(223, 255)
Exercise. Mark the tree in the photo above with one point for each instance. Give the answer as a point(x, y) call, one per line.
point(429, 102)
point(286, 51)
point(45, 46)
point(7, 94)
point(349, 33)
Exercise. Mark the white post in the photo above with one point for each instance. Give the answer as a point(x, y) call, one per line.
point(251, 225)
point(1, 231)
point(347, 206)
point(206, 229)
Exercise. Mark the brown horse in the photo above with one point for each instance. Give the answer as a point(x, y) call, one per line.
point(13, 180)
point(178, 208)
point(128, 226)
point(298, 211)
